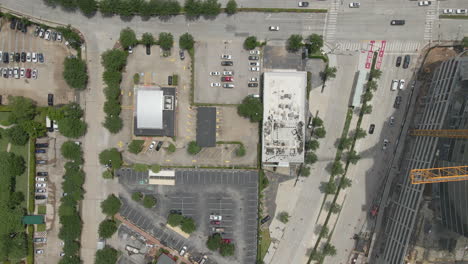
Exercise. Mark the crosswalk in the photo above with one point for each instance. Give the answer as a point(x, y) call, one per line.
point(431, 14)
point(391, 46)
point(330, 29)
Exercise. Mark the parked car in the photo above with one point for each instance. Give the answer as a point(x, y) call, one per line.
point(226, 57)
point(274, 28)
point(265, 219)
point(254, 63)
point(159, 145)
point(41, 185)
point(216, 217)
point(398, 61)
point(448, 11)
point(47, 34)
point(397, 22)
point(39, 251)
point(34, 57)
point(151, 146)
point(354, 5)
point(228, 73)
point(13, 23)
point(424, 3)
point(169, 79)
point(254, 52)
point(181, 55)
point(62, 254)
point(42, 33)
point(40, 151)
point(371, 129)
point(303, 4)
point(42, 173)
point(148, 49)
point(183, 250)
point(252, 85)
point(41, 161)
point(25, 28)
point(23, 56)
point(130, 49)
point(226, 241)
point(394, 85)
point(228, 85)
point(17, 57)
point(50, 99)
point(227, 79)
point(254, 68)
point(41, 179)
point(397, 102)
point(217, 229)
point(34, 74)
point(461, 11)
point(40, 197)
point(215, 84)
point(406, 61)
point(22, 72)
point(254, 79)
point(19, 25)
point(59, 36)
point(28, 73)
point(253, 57)
point(385, 144)
point(401, 85)
point(28, 57)
point(40, 190)
point(227, 63)
point(16, 72)
point(42, 145)
point(392, 121)
point(215, 222)
point(54, 36)
point(175, 211)
point(40, 240)
point(215, 73)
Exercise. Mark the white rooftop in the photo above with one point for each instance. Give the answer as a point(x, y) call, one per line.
point(284, 97)
point(149, 108)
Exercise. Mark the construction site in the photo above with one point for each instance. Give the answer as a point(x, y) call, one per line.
point(423, 214)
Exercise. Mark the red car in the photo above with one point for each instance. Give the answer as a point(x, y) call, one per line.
point(28, 73)
point(227, 241)
point(227, 79)
point(215, 222)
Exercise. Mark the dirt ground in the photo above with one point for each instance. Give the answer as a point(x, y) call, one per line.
point(49, 78)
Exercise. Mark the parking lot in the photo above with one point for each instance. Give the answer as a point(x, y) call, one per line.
point(209, 72)
point(231, 194)
point(28, 74)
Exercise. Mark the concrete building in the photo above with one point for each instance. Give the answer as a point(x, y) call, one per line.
point(445, 108)
point(154, 113)
point(284, 104)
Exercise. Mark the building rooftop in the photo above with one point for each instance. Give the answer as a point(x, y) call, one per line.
point(206, 126)
point(284, 97)
point(33, 219)
point(164, 259)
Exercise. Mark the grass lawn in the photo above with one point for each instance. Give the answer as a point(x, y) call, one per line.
point(41, 209)
point(41, 228)
point(265, 242)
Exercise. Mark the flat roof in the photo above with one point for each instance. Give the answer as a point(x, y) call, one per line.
point(284, 97)
point(206, 126)
point(149, 108)
point(164, 259)
point(33, 219)
point(361, 81)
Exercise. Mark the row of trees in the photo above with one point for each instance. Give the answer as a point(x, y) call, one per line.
point(128, 8)
point(187, 224)
point(110, 206)
point(147, 200)
point(313, 43)
point(312, 145)
point(11, 247)
point(75, 73)
point(69, 216)
point(165, 40)
point(113, 61)
point(215, 242)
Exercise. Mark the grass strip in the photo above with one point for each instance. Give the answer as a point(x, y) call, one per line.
point(281, 10)
point(454, 16)
point(32, 174)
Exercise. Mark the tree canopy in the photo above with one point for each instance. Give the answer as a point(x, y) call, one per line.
point(22, 109)
point(136, 146)
point(213, 242)
point(186, 41)
point(111, 205)
point(88, 7)
point(166, 40)
point(113, 123)
point(231, 7)
point(75, 73)
point(147, 39)
point(149, 201)
point(251, 108)
point(294, 43)
point(111, 157)
point(72, 128)
point(72, 151)
point(107, 255)
point(250, 43)
point(226, 249)
point(193, 148)
point(315, 43)
point(107, 228)
point(127, 37)
point(17, 135)
point(114, 60)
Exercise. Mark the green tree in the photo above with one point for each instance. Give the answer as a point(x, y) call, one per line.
point(328, 73)
point(337, 168)
point(360, 133)
point(193, 148)
point(294, 43)
point(140, 167)
point(231, 7)
point(71, 227)
point(251, 108)
point(155, 168)
point(107, 228)
point(324, 231)
point(112, 107)
point(127, 38)
point(305, 171)
point(345, 183)
point(316, 43)
point(71, 248)
point(186, 41)
point(107, 174)
point(310, 158)
point(18, 246)
point(72, 110)
point(283, 217)
point(226, 249)
point(317, 122)
point(111, 205)
point(214, 242)
point(250, 43)
point(329, 250)
point(345, 143)
point(136, 78)
point(75, 73)
point(113, 123)
point(10, 165)
point(188, 225)
point(137, 196)
point(465, 42)
point(174, 219)
point(149, 201)
point(114, 60)
point(353, 157)
point(366, 108)
point(71, 151)
point(330, 187)
point(72, 128)
point(147, 39)
point(211, 7)
point(334, 207)
point(375, 74)
point(372, 85)
point(312, 145)
point(166, 40)
point(88, 7)
point(193, 7)
point(367, 96)
point(320, 132)
point(111, 157)
point(107, 255)
point(33, 128)
point(17, 135)
point(171, 148)
point(240, 151)
point(70, 259)
point(71, 36)
point(136, 146)
point(22, 109)
point(111, 77)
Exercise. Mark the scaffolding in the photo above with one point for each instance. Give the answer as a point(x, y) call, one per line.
point(446, 133)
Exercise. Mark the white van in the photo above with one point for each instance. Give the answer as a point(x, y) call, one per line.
point(395, 85)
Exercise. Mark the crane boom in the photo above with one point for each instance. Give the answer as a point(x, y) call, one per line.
point(433, 175)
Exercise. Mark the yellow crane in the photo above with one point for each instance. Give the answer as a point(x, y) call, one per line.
point(444, 174)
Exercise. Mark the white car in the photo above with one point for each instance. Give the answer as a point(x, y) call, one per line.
point(254, 79)
point(401, 85)
point(40, 179)
point(28, 57)
point(130, 49)
point(59, 36)
point(216, 217)
point(273, 28)
point(461, 11)
point(226, 57)
point(215, 73)
point(303, 4)
point(424, 3)
point(16, 72)
point(47, 34)
point(39, 251)
point(354, 5)
point(215, 84)
point(41, 33)
point(385, 144)
point(41, 185)
point(151, 146)
point(228, 73)
point(255, 69)
point(34, 57)
point(62, 254)
point(448, 11)
point(22, 71)
point(34, 74)
point(254, 52)
point(254, 63)
point(183, 251)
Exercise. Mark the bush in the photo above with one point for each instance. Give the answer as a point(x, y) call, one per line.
point(16, 135)
point(137, 196)
point(211, 8)
point(231, 7)
point(147, 39)
point(240, 151)
point(140, 167)
point(75, 73)
point(334, 208)
point(111, 205)
point(149, 201)
point(107, 228)
point(345, 183)
point(171, 148)
point(214, 242)
point(113, 123)
point(88, 7)
point(107, 174)
point(111, 157)
point(127, 38)
point(174, 219)
point(72, 127)
point(193, 148)
point(305, 171)
point(155, 168)
point(330, 187)
point(136, 78)
point(353, 157)
point(166, 40)
point(294, 43)
point(251, 108)
point(114, 60)
point(226, 249)
point(186, 41)
point(34, 129)
point(329, 250)
point(283, 217)
point(71, 151)
point(136, 146)
point(250, 43)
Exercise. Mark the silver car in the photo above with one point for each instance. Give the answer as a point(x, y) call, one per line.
point(385, 144)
